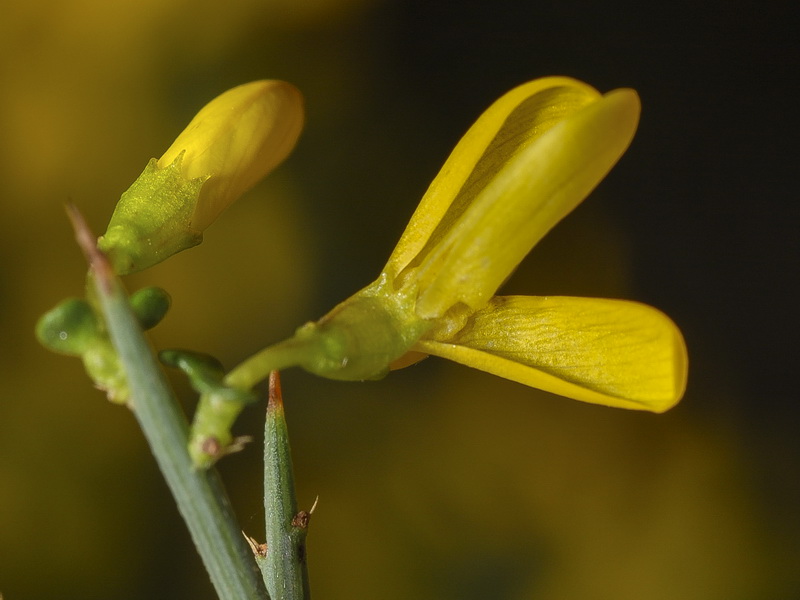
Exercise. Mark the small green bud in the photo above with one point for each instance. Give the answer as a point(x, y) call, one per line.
point(73, 328)
point(232, 143)
point(203, 370)
point(150, 304)
point(219, 405)
point(69, 328)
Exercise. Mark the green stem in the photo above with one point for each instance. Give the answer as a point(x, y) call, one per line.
point(258, 367)
point(285, 566)
point(199, 494)
point(210, 437)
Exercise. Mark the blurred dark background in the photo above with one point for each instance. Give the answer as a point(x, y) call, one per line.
point(437, 482)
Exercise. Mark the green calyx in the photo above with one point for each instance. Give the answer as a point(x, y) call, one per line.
point(153, 218)
point(362, 336)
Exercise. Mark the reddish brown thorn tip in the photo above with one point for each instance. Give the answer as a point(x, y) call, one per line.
point(275, 395)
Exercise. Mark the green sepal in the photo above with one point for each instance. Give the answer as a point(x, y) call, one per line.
point(153, 218)
point(362, 336)
point(210, 437)
point(150, 305)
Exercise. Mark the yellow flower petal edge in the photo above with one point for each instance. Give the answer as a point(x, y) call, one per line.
point(610, 352)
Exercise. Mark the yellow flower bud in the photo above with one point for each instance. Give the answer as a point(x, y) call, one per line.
point(234, 141)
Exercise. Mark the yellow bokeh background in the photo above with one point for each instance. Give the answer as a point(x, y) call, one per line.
point(436, 482)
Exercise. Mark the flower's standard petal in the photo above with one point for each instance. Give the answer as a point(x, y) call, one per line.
point(524, 198)
point(610, 352)
point(511, 123)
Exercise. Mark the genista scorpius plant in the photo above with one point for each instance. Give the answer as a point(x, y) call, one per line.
point(530, 159)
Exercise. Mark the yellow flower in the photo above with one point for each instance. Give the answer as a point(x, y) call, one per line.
point(233, 142)
point(530, 159)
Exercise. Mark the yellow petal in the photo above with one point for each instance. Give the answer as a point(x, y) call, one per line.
point(610, 352)
point(523, 184)
point(509, 124)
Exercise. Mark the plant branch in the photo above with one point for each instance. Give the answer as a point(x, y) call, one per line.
point(288, 353)
point(284, 567)
point(199, 494)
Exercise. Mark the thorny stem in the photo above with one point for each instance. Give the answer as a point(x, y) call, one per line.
point(199, 494)
point(285, 565)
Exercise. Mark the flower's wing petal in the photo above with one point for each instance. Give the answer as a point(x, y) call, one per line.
point(508, 125)
point(526, 195)
point(610, 352)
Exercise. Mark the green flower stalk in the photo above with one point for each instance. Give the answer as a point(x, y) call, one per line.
point(529, 160)
point(233, 142)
